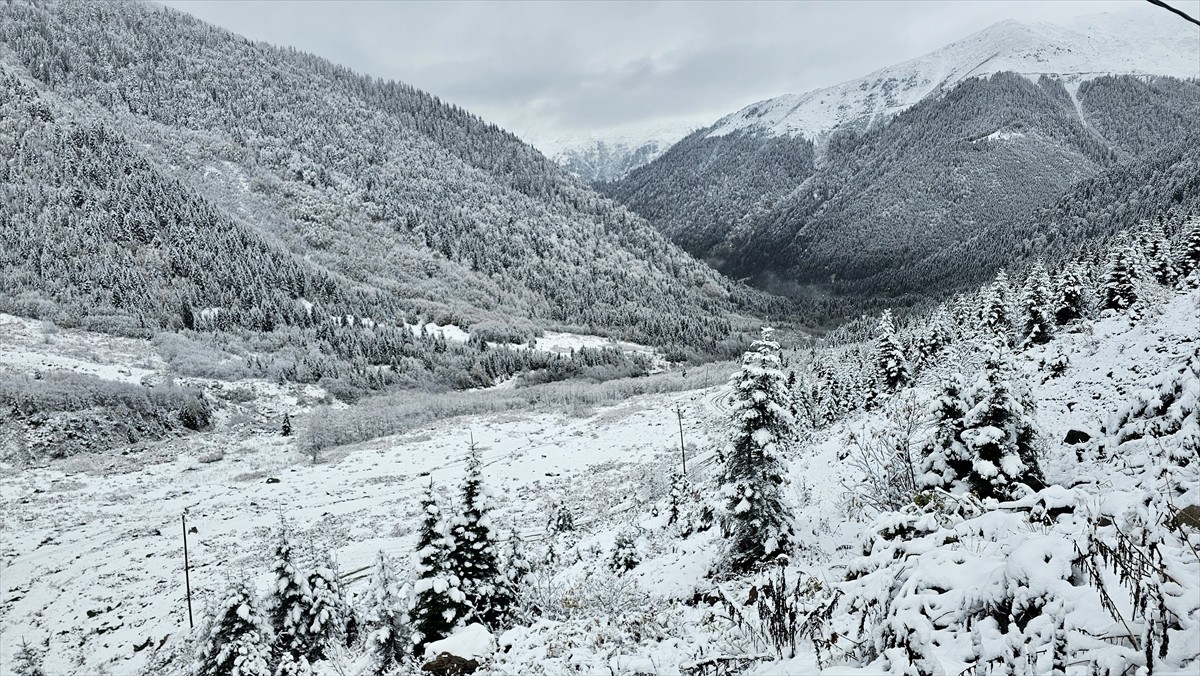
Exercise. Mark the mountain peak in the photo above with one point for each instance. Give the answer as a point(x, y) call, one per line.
point(1132, 42)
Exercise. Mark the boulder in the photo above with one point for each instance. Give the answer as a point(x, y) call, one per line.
point(1076, 437)
point(446, 664)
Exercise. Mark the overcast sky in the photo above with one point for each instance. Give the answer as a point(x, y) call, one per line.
point(554, 70)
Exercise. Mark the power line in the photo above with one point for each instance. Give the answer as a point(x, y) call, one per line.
point(1174, 10)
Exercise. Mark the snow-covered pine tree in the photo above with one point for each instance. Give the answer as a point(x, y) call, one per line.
point(437, 603)
point(561, 519)
point(325, 618)
point(1188, 264)
point(1037, 316)
point(384, 621)
point(945, 460)
point(27, 661)
point(473, 557)
point(1000, 433)
point(1118, 291)
point(236, 641)
point(1068, 294)
point(964, 312)
point(287, 425)
point(756, 521)
point(891, 365)
point(290, 665)
point(516, 567)
point(936, 337)
point(1158, 257)
point(288, 599)
point(625, 555)
point(997, 310)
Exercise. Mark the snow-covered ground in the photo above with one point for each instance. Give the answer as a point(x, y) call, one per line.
point(28, 346)
point(91, 559)
point(94, 560)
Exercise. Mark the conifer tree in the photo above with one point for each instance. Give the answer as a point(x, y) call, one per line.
point(515, 569)
point(1068, 295)
point(997, 315)
point(945, 459)
point(290, 665)
point(287, 425)
point(756, 521)
point(384, 622)
point(27, 661)
point(325, 617)
point(891, 366)
point(438, 603)
point(473, 557)
point(288, 599)
point(235, 641)
point(1036, 307)
point(936, 337)
point(1159, 258)
point(965, 312)
point(1000, 433)
point(1189, 255)
point(561, 519)
point(625, 555)
point(1118, 291)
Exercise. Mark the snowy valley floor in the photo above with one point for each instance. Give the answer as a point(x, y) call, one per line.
point(91, 557)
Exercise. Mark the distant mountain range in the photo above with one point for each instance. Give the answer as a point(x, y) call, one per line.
point(879, 190)
point(609, 156)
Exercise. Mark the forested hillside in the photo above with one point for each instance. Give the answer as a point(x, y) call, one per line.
point(163, 174)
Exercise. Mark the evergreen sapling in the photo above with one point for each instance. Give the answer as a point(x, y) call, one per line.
point(236, 640)
point(756, 521)
point(438, 602)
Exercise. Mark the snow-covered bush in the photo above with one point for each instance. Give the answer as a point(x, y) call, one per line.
point(1166, 415)
point(885, 457)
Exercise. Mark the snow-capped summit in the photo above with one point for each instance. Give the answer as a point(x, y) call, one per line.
point(1134, 42)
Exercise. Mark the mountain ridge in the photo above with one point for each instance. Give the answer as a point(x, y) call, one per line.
point(1008, 45)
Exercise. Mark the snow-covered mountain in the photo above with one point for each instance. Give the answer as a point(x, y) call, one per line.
point(1133, 42)
point(603, 157)
point(970, 153)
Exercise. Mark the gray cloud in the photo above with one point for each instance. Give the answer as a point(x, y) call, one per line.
point(547, 70)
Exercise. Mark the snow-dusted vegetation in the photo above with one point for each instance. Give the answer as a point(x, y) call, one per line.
point(1007, 506)
point(307, 373)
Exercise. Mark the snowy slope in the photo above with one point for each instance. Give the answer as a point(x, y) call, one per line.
point(1133, 42)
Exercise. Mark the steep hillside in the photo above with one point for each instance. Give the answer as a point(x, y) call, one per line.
point(963, 152)
point(160, 167)
point(952, 171)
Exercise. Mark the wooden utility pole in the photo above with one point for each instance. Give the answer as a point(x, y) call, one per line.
point(682, 450)
point(187, 580)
